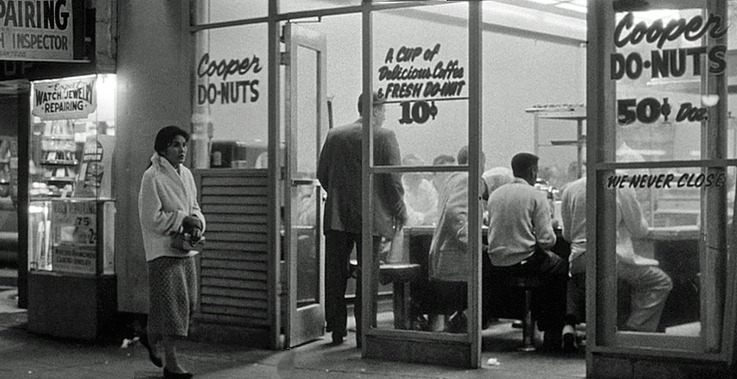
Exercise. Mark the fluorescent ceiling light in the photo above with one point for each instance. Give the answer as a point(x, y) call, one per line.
point(545, 2)
point(572, 7)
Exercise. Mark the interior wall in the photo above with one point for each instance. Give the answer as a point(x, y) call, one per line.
point(153, 91)
point(519, 71)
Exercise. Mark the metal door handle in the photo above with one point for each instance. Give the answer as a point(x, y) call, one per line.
point(304, 182)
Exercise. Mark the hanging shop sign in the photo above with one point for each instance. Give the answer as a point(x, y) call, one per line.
point(416, 78)
point(667, 63)
point(48, 30)
point(228, 80)
point(64, 99)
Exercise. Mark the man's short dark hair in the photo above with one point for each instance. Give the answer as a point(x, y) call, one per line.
point(166, 136)
point(377, 99)
point(522, 162)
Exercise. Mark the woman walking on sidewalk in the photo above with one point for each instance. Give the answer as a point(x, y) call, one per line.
point(167, 211)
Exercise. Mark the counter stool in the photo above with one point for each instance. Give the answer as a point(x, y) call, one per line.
point(527, 284)
point(400, 275)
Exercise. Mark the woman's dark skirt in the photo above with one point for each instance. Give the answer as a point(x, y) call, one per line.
point(173, 295)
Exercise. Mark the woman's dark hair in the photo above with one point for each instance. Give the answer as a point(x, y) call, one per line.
point(166, 136)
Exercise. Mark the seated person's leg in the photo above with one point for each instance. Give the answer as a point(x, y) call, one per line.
point(650, 288)
point(449, 299)
point(576, 292)
point(550, 300)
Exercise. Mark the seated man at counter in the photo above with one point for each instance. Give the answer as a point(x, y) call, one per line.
point(520, 238)
point(449, 266)
point(650, 285)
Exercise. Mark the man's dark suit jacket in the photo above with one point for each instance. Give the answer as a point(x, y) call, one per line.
point(339, 172)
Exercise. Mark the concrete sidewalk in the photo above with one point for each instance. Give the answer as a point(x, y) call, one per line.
point(26, 355)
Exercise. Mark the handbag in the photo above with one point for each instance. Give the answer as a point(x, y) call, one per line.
point(184, 243)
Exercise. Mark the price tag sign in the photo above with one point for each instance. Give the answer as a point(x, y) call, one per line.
point(418, 76)
point(417, 112)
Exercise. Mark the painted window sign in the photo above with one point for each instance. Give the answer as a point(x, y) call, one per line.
point(667, 63)
point(36, 30)
point(243, 86)
point(416, 78)
point(71, 98)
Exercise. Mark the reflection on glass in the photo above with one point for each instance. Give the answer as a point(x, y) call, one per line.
point(307, 108)
point(305, 203)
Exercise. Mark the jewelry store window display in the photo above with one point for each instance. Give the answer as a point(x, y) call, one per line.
point(167, 208)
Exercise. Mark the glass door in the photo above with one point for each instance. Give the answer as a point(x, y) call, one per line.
point(424, 70)
point(306, 116)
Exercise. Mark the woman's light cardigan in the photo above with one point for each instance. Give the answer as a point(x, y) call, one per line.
point(164, 200)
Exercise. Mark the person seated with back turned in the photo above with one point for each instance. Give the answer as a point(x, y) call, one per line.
point(420, 196)
point(650, 285)
point(449, 266)
point(520, 236)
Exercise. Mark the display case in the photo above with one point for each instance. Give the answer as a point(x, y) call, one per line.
point(71, 214)
point(72, 236)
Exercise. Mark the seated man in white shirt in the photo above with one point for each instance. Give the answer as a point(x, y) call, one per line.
point(520, 238)
point(650, 285)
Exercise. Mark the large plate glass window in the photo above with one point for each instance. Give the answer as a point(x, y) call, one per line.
point(667, 198)
point(230, 110)
point(421, 72)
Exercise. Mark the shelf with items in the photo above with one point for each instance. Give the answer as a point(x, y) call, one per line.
point(572, 112)
point(57, 158)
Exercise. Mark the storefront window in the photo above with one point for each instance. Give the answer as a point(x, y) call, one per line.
point(668, 201)
point(230, 97)
point(213, 11)
point(422, 71)
point(659, 103)
point(421, 60)
point(71, 149)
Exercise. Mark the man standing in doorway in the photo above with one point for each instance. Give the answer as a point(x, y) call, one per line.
point(339, 172)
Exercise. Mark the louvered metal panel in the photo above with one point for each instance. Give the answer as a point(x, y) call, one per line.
point(233, 265)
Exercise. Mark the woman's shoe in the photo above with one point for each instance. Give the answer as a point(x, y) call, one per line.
point(156, 360)
point(177, 375)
